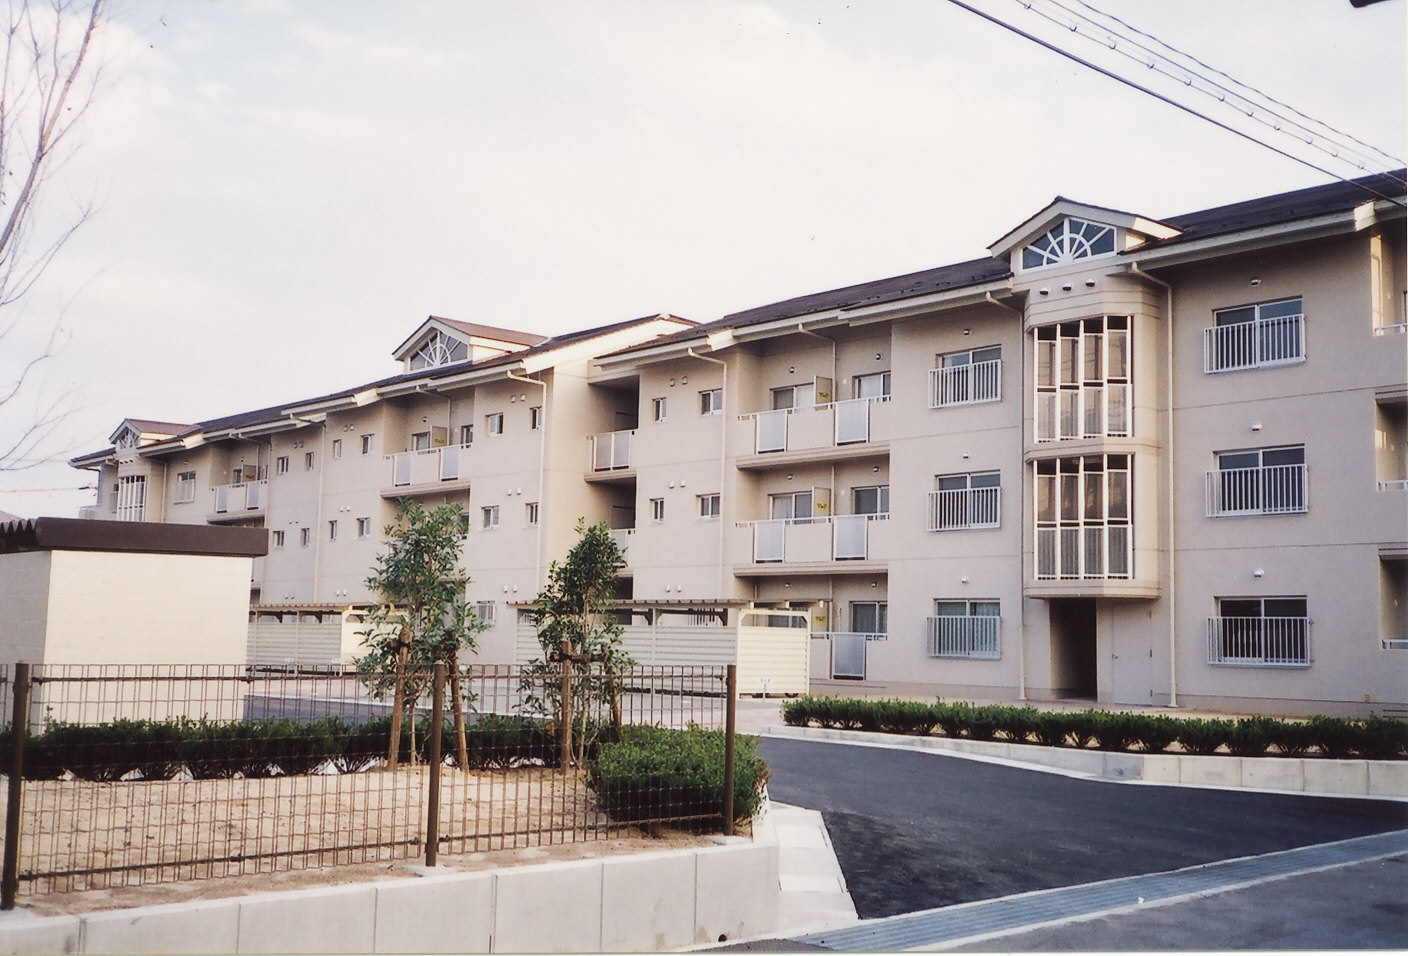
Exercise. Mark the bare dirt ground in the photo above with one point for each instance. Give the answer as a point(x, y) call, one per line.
point(168, 841)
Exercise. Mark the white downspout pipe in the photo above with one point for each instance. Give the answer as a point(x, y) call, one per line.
point(1168, 458)
point(542, 464)
point(1021, 598)
point(723, 457)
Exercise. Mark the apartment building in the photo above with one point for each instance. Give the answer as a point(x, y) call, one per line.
point(1134, 460)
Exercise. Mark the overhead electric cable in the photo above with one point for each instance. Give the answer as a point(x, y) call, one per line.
point(1171, 102)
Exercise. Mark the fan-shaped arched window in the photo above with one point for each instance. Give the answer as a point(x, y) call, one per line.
point(439, 349)
point(1071, 240)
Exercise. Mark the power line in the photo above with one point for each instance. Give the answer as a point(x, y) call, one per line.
point(1165, 99)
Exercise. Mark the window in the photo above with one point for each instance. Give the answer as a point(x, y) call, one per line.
point(464, 523)
point(368, 441)
point(364, 527)
point(307, 461)
point(535, 417)
point(794, 396)
point(1263, 481)
point(871, 500)
point(1069, 241)
point(185, 487)
point(965, 629)
point(466, 434)
point(657, 409)
point(1263, 632)
point(494, 424)
point(874, 385)
point(439, 349)
point(1083, 527)
point(1083, 379)
point(305, 537)
point(961, 502)
point(337, 448)
point(657, 510)
point(530, 514)
point(278, 539)
point(1255, 336)
point(871, 618)
point(484, 610)
point(711, 402)
point(966, 378)
point(420, 441)
point(281, 465)
point(708, 506)
point(490, 517)
point(793, 506)
point(132, 498)
point(332, 530)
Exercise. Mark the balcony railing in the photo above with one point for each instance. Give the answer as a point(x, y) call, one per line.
point(965, 384)
point(611, 451)
point(850, 425)
point(1082, 553)
point(1279, 340)
point(848, 652)
point(959, 509)
point(1259, 641)
point(1265, 490)
point(426, 465)
point(1393, 484)
point(850, 537)
point(240, 496)
point(622, 537)
point(971, 636)
point(1091, 411)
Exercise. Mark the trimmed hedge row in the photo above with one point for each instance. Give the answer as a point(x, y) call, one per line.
point(159, 750)
point(1376, 738)
point(654, 773)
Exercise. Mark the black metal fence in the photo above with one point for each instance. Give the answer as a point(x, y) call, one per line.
point(122, 774)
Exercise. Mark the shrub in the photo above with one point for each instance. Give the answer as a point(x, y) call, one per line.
point(302, 748)
point(1382, 738)
point(1199, 736)
point(1081, 727)
point(1117, 731)
point(904, 717)
point(955, 720)
point(363, 744)
point(1018, 724)
point(655, 774)
point(1334, 736)
point(498, 743)
point(1050, 729)
point(1250, 736)
point(1156, 733)
point(1292, 737)
point(213, 751)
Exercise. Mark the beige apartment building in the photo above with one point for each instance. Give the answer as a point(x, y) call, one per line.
point(1131, 460)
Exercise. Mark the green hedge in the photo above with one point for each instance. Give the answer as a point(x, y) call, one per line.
point(1376, 738)
point(656, 774)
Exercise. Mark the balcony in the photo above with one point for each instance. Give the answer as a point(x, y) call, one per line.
point(1259, 641)
point(622, 537)
point(962, 509)
point(853, 428)
point(831, 542)
point(964, 636)
point(428, 471)
point(239, 501)
point(610, 456)
point(1263, 490)
point(1260, 343)
point(965, 384)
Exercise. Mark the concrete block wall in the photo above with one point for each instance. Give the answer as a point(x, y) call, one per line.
point(640, 902)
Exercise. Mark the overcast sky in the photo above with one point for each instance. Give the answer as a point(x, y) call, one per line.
point(287, 189)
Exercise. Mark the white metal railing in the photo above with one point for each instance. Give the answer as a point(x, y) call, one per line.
point(850, 536)
point(1392, 328)
point(864, 635)
point(1089, 552)
point(132, 498)
point(611, 451)
point(965, 384)
point(426, 465)
point(964, 635)
point(960, 509)
point(847, 654)
point(622, 537)
point(1091, 411)
point(1264, 490)
point(1393, 484)
point(1259, 641)
point(241, 495)
point(1279, 340)
point(850, 425)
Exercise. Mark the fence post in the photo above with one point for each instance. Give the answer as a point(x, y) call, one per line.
point(19, 729)
point(437, 726)
point(565, 732)
point(730, 727)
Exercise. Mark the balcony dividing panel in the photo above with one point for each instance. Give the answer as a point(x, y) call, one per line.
point(853, 421)
point(771, 431)
point(852, 535)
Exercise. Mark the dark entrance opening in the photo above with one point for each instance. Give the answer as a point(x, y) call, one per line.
point(1073, 647)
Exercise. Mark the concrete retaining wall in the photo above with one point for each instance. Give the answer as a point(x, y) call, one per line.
point(647, 901)
point(1314, 775)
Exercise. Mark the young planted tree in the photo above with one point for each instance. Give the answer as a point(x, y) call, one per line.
point(423, 618)
point(581, 642)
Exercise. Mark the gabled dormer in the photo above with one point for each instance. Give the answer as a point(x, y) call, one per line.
point(1070, 233)
point(136, 432)
point(441, 341)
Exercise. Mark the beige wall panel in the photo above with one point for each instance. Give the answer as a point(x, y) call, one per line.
point(24, 594)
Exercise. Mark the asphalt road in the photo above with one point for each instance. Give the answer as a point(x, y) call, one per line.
point(915, 831)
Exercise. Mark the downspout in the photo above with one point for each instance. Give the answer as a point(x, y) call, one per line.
point(1168, 456)
point(542, 464)
point(723, 456)
point(1022, 598)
